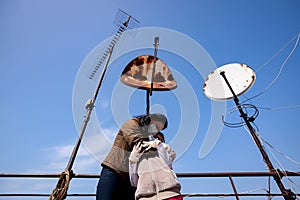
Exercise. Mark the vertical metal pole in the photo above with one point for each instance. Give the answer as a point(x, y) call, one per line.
point(156, 40)
point(149, 91)
point(287, 194)
point(269, 189)
point(148, 102)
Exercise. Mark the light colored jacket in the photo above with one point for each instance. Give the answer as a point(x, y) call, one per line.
point(153, 175)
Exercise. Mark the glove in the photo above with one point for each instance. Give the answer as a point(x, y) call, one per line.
point(150, 144)
point(136, 152)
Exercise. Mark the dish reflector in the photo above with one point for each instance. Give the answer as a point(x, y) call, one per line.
point(138, 74)
point(240, 76)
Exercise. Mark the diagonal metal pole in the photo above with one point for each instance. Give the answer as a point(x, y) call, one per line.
point(234, 188)
point(91, 102)
point(89, 106)
point(287, 193)
point(61, 189)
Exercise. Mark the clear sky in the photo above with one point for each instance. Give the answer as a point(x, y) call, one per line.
point(48, 49)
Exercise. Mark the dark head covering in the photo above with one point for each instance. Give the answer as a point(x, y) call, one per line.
point(145, 120)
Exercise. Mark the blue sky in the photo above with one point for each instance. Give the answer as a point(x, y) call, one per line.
point(45, 46)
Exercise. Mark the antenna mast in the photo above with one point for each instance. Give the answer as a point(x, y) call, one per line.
point(149, 91)
point(217, 87)
point(287, 193)
point(61, 189)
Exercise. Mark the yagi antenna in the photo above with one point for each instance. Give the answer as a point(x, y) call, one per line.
point(61, 189)
point(228, 82)
point(123, 21)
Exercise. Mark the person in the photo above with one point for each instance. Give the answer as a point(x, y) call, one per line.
point(150, 170)
point(114, 183)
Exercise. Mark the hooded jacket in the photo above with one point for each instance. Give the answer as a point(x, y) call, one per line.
point(152, 174)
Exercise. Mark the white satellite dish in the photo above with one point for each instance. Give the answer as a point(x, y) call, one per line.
point(230, 81)
point(240, 77)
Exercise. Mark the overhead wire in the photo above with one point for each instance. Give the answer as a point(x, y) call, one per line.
point(281, 68)
point(276, 149)
point(256, 112)
point(255, 190)
point(278, 52)
point(279, 164)
point(292, 184)
point(233, 109)
point(281, 107)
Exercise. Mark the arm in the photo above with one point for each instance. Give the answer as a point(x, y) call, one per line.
point(133, 159)
point(133, 174)
point(132, 132)
point(166, 153)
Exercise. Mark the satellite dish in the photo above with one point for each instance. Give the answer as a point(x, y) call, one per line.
point(240, 76)
point(138, 74)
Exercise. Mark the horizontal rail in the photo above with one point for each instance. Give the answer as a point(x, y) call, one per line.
point(181, 175)
point(184, 195)
point(207, 174)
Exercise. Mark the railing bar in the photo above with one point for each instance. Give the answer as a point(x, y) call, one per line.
point(182, 175)
point(234, 174)
point(232, 194)
point(233, 187)
point(184, 195)
point(210, 174)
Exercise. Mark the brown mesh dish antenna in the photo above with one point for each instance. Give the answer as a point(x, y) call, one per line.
point(149, 73)
point(138, 74)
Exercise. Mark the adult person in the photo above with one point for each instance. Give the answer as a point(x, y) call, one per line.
point(150, 170)
point(114, 183)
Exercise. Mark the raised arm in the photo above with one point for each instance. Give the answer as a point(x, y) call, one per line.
point(132, 132)
point(133, 159)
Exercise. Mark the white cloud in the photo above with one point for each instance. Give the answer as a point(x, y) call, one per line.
point(92, 151)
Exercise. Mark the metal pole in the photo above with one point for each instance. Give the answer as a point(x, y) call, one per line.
point(234, 188)
point(90, 104)
point(61, 189)
point(156, 40)
point(89, 107)
point(148, 102)
point(149, 91)
point(287, 193)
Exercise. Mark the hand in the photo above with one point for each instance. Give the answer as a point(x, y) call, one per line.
point(137, 147)
point(136, 152)
point(150, 144)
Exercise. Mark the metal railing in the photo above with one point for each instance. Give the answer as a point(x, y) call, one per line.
point(229, 175)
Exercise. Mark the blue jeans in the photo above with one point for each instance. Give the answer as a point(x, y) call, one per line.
point(112, 186)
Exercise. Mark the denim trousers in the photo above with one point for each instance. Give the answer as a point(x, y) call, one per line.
point(112, 186)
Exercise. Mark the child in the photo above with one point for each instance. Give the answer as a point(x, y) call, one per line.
point(150, 170)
